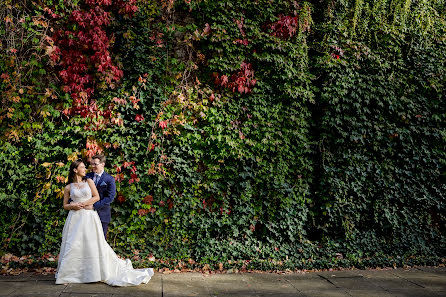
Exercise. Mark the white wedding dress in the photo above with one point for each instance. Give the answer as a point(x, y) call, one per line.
point(85, 256)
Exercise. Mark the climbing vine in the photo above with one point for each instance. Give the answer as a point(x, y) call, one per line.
point(255, 134)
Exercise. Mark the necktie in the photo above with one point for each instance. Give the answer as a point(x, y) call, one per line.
point(96, 179)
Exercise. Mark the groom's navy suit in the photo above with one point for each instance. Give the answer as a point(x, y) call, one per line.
point(107, 191)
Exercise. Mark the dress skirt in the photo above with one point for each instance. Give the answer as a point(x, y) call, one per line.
point(85, 256)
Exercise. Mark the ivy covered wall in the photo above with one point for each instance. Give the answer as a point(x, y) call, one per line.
point(257, 134)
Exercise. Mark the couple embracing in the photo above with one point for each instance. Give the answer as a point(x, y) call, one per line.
point(105, 184)
point(85, 256)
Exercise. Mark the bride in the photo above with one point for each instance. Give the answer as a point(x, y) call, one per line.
point(85, 255)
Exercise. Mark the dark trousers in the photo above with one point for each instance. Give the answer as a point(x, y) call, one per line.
point(105, 228)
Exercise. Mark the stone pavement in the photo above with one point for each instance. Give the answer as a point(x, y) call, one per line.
point(416, 282)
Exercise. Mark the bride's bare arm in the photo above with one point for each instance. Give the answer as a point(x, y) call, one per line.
point(94, 194)
point(66, 196)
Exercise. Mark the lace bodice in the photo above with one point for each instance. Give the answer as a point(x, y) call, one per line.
point(80, 192)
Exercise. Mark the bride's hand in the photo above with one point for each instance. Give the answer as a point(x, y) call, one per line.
point(76, 206)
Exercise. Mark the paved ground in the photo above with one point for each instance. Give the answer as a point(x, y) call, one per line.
point(416, 282)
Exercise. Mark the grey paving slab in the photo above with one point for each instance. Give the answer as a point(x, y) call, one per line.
point(34, 295)
point(386, 280)
point(429, 280)
point(369, 293)
point(186, 284)
point(312, 284)
point(270, 284)
point(226, 277)
point(184, 275)
point(337, 292)
point(339, 274)
point(36, 288)
point(436, 270)
point(301, 276)
point(278, 294)
point(86, 295)
point(355, 284)
point(396, 284)
point(375, 273)
point(414, 273)
point(235, 294)
point(414, 293)
point(6, 288)
point(91, 288)
point(235, 284)
point(186, 293)
point(431, 283)
point(252, 294)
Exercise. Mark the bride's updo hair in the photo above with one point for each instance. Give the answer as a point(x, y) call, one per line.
point(72, 174)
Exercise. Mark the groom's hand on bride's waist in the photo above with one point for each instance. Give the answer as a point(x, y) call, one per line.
point(86, 206)
point(79, 206)
point(76, 206)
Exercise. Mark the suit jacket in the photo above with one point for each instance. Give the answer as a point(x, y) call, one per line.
point(107, 191)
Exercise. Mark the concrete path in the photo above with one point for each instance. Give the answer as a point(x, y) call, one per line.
point(416, 282)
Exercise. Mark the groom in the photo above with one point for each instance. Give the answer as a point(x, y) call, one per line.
point(105, 183)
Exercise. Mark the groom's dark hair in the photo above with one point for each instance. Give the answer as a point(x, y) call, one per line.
point(100, 157)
